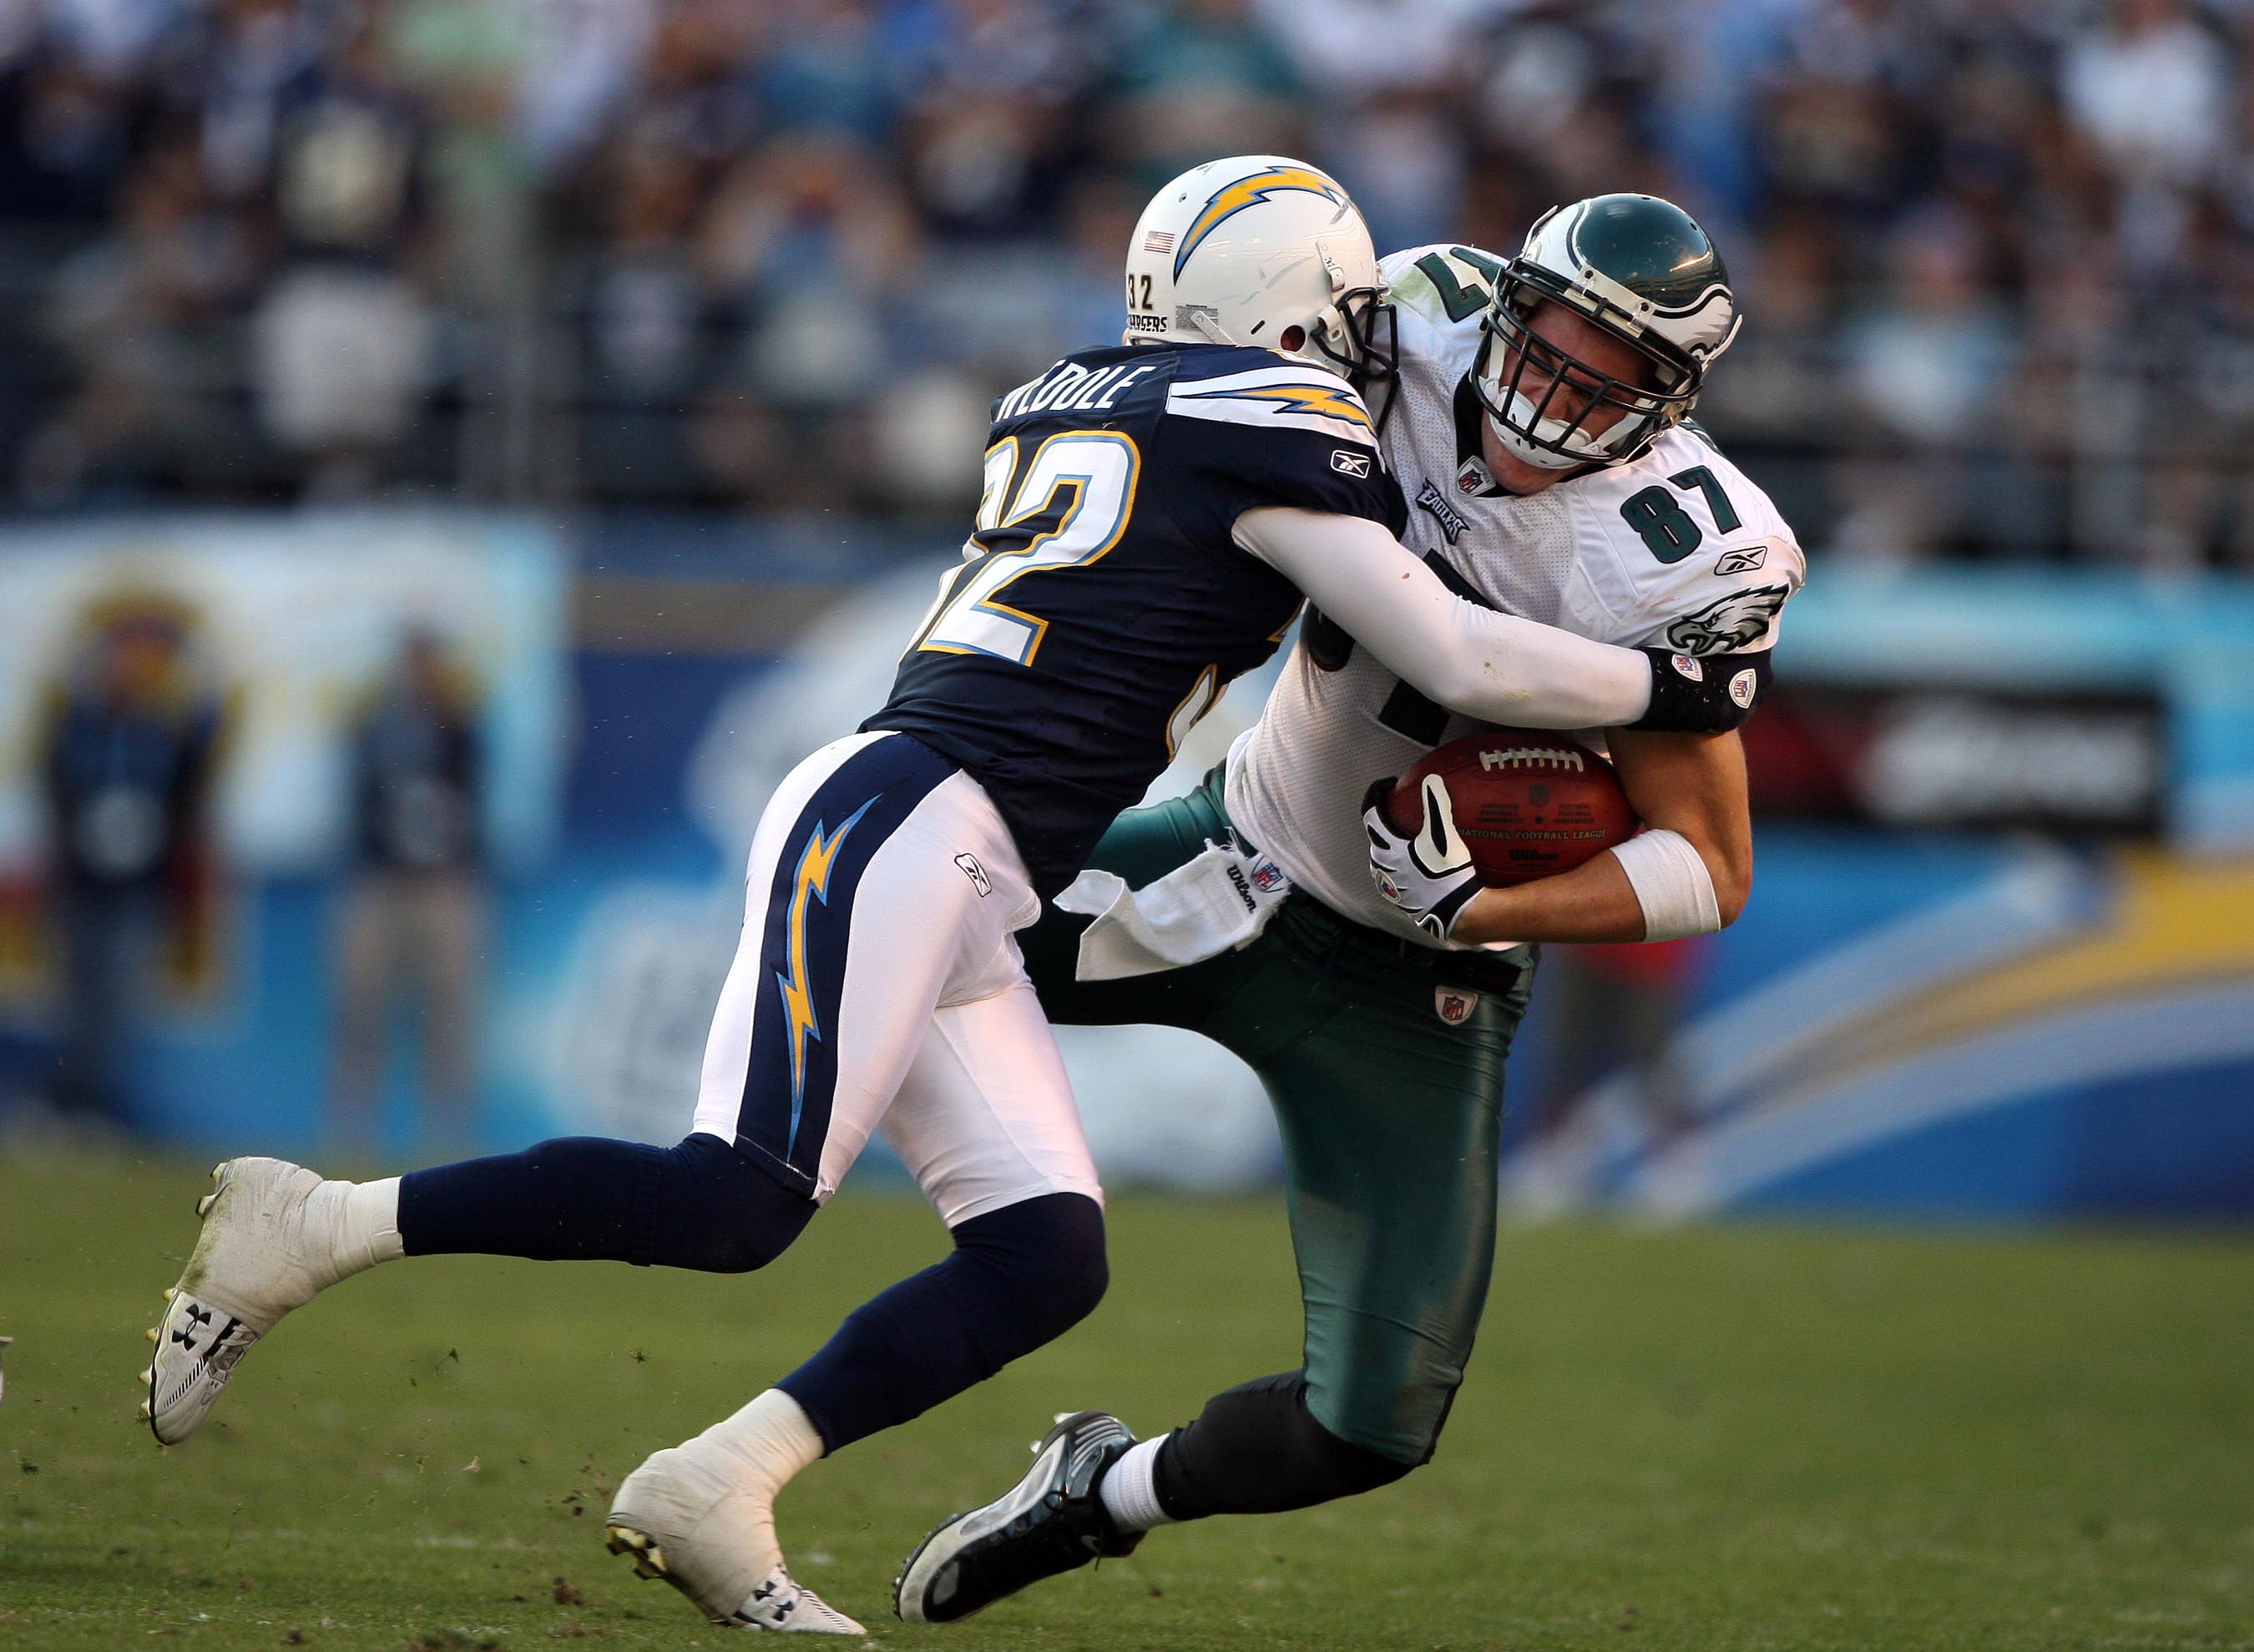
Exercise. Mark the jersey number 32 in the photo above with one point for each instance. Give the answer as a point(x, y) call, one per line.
point(1072, 501)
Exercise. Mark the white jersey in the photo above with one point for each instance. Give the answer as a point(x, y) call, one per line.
point(1677, 550)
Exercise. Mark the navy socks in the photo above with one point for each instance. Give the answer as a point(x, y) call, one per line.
point(700, 1204)
point(1017, 1277)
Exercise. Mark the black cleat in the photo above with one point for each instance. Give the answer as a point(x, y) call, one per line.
point(1052, 1520)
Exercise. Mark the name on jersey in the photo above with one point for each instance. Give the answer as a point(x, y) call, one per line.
point(1069, 387)
point(1451, 520)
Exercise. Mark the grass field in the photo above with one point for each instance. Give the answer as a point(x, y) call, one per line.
point(1724, 1438)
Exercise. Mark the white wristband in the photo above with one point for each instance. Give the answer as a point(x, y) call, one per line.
point(1671, 884)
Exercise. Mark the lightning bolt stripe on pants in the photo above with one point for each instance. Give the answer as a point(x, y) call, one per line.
point(807, 941)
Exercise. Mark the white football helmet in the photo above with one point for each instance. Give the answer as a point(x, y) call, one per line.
point(1643, 271)
point(1243, 250)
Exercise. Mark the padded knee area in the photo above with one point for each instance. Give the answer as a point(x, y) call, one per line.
point(1046, 1257)
point(1019, 1278)
point(720, 1213)
point(1258, 1450)
point(1385, 1392)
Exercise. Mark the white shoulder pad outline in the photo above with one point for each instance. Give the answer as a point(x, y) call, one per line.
point(1283, 396)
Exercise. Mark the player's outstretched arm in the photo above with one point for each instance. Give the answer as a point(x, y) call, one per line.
point(1692, 874)
point(1495, 667)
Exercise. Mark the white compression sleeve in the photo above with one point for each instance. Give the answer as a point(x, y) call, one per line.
point(1488, 665)
point(1671, 884)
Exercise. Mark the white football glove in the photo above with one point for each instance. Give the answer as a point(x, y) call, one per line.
point(1429, 875)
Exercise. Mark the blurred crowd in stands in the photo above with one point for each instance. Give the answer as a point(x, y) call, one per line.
point(1998, 254)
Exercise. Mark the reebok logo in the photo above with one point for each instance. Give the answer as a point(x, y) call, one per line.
point(976, 873)
point(1348, 464)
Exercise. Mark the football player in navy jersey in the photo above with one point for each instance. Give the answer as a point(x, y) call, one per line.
point(1151, 516)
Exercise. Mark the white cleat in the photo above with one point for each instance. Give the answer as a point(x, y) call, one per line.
point(684, 1523)
point(251, 1266)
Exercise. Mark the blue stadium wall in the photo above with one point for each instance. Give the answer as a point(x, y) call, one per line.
point(1981, 1027)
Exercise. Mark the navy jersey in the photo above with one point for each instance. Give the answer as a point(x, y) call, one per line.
point(1102, 606)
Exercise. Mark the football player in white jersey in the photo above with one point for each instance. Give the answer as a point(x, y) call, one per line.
point(1535, 421)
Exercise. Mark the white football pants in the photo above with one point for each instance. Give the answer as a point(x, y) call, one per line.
point(877, 985)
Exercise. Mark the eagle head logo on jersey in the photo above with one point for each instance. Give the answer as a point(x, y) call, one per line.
point(1235, 196)
point(1741, 618)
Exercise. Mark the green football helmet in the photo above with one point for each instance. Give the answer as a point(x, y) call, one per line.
point(1642, 270)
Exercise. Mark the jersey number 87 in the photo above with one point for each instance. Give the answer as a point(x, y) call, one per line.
point(1098, 469)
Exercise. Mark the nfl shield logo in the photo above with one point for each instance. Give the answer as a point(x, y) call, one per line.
point(1454, 1004)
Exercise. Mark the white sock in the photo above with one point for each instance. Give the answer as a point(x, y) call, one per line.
point(361, 1222)
point(1130, 1495)
point(766, 1445)
point(772, 1440)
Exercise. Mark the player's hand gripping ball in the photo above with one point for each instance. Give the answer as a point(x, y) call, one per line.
point(1527, 803)
point(1426, 873)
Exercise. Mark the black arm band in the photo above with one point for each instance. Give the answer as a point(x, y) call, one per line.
point(1709, 695)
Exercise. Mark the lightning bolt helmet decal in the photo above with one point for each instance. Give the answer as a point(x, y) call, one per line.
point(1235, 195)
point(1297, 276)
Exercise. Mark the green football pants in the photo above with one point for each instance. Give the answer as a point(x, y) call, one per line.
point(1389, 1116)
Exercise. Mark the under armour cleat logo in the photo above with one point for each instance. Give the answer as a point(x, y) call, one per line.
point(199, 1320)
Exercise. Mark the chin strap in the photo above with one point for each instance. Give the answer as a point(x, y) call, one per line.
point(1201, 319)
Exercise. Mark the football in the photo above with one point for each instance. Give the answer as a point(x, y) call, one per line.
point(1530, 802)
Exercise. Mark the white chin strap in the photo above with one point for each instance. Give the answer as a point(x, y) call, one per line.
point(1581, 450)
point(1205, 322)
